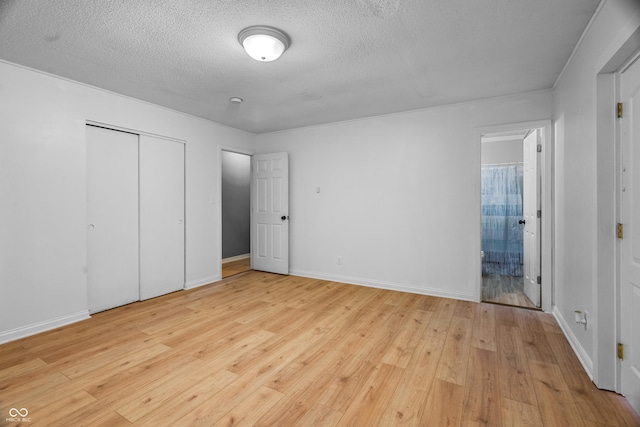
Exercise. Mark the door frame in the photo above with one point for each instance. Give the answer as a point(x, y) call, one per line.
point(546, 204)
point(606, 372)
point(621, 283)
point(231, 149)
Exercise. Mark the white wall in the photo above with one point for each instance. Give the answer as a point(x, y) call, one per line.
point(399, 197)
point(501, 152)
point(585, 176)
point(43, 281)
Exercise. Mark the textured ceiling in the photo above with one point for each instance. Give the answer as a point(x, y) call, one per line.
point(348, 59)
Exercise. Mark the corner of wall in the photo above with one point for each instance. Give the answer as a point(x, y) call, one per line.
point(583, 356)
point(47, 325)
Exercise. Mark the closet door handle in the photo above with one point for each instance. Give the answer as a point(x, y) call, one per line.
point(522, 221)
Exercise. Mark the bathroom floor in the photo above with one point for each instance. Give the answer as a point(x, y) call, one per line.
point(505, 290)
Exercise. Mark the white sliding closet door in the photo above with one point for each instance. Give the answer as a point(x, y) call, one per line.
point(161, 216)
point(112, 213)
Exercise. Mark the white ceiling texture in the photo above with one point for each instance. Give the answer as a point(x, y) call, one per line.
point(348, 58)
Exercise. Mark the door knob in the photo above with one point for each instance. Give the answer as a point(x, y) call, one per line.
point(522, 221)
point(284, 217)
point(91, 227)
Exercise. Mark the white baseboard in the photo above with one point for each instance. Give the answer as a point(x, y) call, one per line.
point(582, 355)
point(47, 325)
point(203, 281)
point(235, 258)
point(384, 285)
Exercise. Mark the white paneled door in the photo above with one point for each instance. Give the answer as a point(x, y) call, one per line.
point(112, 214)
point(161, 216)
point(531, 238)
point(270, 213)
point(630, 242)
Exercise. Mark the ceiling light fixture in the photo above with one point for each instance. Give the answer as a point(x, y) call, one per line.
point(264, 44)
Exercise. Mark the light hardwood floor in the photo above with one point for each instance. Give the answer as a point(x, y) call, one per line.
point(236, 267)
point(264, 349)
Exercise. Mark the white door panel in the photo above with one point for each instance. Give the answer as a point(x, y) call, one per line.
point(161, 216)
point(532, 223)
point(112, 213)
point(270, 213)
point(630, 244)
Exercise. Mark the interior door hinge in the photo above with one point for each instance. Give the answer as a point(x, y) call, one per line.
point(620, 231)
point(620, 110)
point(620, 351)
point(539, 280)
point(539, 214)
point(539, 148)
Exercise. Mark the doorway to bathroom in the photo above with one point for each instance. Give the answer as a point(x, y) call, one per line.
point(510, 206)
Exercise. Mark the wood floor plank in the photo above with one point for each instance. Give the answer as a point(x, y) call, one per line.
point(297, 402)
point(250, 409)
point(368, 406)
point(55, 412)
point(118, 359)
point(151, 399)
point(14, 353)
point(593, 404)
point(182, 403)
point(232, 347)
point(307, 368)
point(482, 392)
point(505, 315)
point(556, 404)
point(266, 349)
point(121, 385)
point(232, 268)
point(518, 414)
point(483, 334)
point(248, 360)
point(444, 405)
point(406, 407)
point(319, 416)
point(98, 413)
point(218, 405)
point(345, 385)
point(29, 388)
point(408, 403)
point(534, 336)
point(400, 351)
point(515, 379)
point(465, 309)
point(455, 355)
point(21, 367)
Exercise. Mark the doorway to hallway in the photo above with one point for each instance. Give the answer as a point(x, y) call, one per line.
point(236, 212)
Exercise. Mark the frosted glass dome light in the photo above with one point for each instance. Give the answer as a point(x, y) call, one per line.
point(264, 44)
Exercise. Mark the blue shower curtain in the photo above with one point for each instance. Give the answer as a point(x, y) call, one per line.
point(502, 236)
